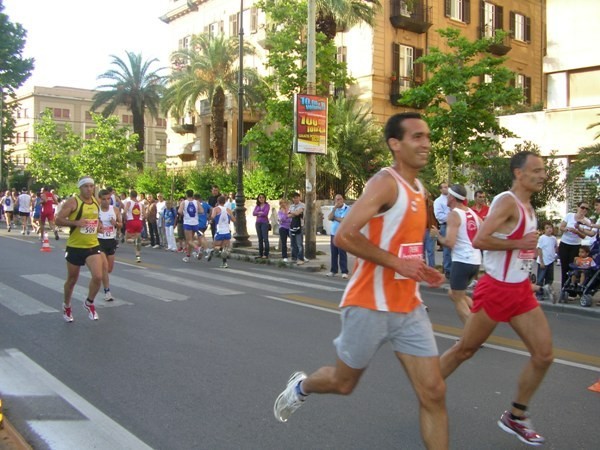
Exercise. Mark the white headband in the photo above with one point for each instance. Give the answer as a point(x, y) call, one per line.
point(456, 195)
point(85, 180)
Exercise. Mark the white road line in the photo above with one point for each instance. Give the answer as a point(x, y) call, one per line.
point(144, 289)
point(293, 282)
point(449, 337)
point(22, 239)
point(213, 275)
point(100, 432)
point(20, 303)
point(79, 293)
point(190, 283)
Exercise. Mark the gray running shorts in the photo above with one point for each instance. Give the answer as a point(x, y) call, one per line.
point(365, 330)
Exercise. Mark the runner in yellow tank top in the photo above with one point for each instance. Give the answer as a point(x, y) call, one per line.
point(81, 214)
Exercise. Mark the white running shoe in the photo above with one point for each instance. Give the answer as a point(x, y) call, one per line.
point(186, 259)
point(108, 297)
point(285, 260)
point(330, 274)
point(288, 401)
point(209, 254)
point(91, 309)
point(345, 276)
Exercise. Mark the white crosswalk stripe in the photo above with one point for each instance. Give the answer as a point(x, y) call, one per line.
point(20, 303)
point(189, 282)
point(144, 289)
point(79, 293)
point(214, 275)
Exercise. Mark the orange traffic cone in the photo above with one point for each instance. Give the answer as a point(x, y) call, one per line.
point(595, 387)
point(45, 244)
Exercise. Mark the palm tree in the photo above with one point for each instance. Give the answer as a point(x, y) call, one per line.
point(208, 69)
point(133, 84)
point(335, 14)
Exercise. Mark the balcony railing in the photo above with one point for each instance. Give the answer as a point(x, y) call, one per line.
point(183, 128)
point(501, 48)
point(413, 15)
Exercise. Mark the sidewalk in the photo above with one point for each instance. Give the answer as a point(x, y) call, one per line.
point(323, 260)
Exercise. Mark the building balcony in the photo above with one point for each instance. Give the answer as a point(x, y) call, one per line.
point(412, 15)
point(501, 48)
point(183, 128)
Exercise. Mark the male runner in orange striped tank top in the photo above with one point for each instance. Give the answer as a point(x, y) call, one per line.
point(384, 230)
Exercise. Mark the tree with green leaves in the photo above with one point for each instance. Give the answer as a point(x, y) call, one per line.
point(59, 156)
point(14, 71)
point(209, 68)
point(135, 84)
point(494, 176)
point(333, 15)
point(355, 148)
point(107, 152)
point(464, 88)
point(51, 155)
point(286, 39)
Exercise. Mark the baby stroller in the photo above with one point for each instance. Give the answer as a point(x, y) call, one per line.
point(584, 291)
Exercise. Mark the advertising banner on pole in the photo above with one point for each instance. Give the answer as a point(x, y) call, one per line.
point(310, 124)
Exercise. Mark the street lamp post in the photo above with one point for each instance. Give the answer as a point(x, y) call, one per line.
point(1, 138)
point(241, 234)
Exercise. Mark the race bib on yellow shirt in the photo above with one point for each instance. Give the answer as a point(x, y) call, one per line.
point(90, 227)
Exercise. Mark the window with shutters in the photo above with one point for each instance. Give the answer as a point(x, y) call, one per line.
point(184, 42)
point(520, 27)
point(491, 19)
point(233, 25)
point(342, 54)
point(458, 10)
point(523, 82)
point(408, 73)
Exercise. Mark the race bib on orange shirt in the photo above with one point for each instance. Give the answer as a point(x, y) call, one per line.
point(409, 251)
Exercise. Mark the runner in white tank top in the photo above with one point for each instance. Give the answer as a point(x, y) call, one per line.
point(504, 293)
point(110, 217)
point(462, 226)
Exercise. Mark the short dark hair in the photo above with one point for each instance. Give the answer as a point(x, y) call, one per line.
point(581, 203)
point(478, 192)
point(189, 193)
point(295, 194)
point(103, 192)
point(518, 161)
point(547, 224)
point(394, 128)
point(585, 248)
point(132, 193)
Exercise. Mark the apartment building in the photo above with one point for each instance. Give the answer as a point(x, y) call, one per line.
point(571, 70)
point(381, 59)
point(72, 106)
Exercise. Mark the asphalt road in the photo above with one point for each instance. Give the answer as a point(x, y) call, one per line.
point(191, 356)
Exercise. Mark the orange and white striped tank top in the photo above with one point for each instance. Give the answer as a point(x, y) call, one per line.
point(399, 230)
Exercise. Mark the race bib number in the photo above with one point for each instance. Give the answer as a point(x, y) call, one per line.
point(526, 259)
point(409, 251)
point(90, 227)
point(108, 231)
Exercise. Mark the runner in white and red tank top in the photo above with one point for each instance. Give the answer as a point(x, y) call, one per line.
point(509, 237)
point(462, 226)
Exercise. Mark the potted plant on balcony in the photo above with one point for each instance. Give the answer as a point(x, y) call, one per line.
point(394, 76)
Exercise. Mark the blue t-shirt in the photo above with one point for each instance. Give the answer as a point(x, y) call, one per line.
point(169, 215)
point(203, 218)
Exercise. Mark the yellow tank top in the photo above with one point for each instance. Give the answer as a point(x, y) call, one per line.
point(86, 236)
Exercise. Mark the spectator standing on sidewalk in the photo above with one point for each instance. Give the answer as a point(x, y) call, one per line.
point(546, 253)
point(261, 212)
point(284, 221)
point(152, 221)
point(339, 257)
point(441, 211)
point(572, 235)
point(480, 208)
point(161, 204)
point(8, 204)
point(296, 215)
point(429, 241)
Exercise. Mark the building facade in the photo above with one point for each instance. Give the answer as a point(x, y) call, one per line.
point(381, 59)
point(72, 106)
point(571, 71)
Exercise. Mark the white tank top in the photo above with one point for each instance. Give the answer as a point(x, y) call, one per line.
point(191, 209)
point(463, 250)
point(223, 221)
point(512, 266)
point(110, 232)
